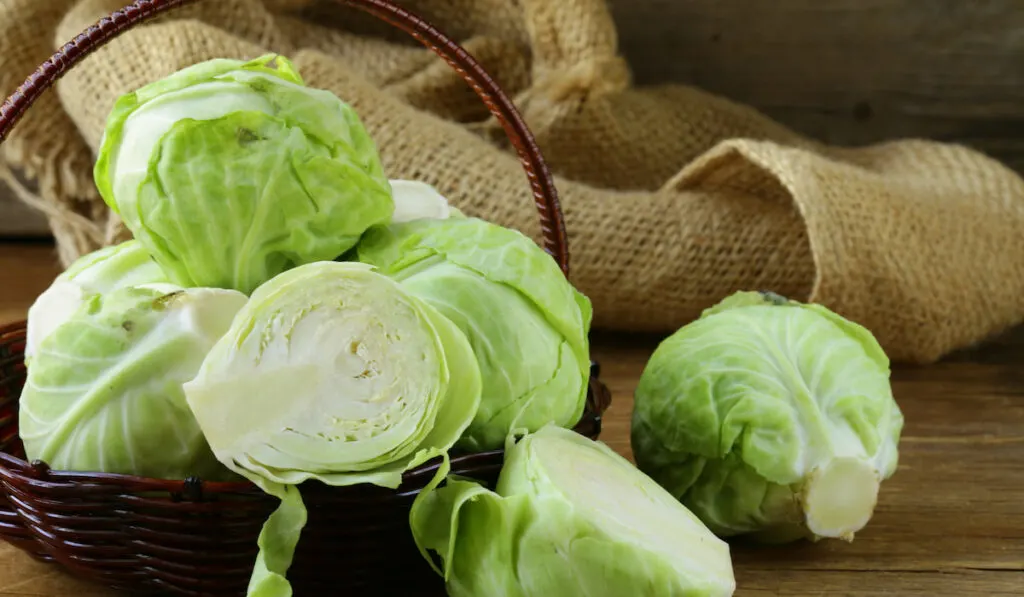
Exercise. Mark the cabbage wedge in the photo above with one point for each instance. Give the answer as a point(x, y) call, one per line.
point(331, 372)
point(568, 517)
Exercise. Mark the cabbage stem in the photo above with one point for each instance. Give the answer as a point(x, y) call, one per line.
point(839, 497)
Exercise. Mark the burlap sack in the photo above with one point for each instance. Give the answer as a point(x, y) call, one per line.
point(673, 197)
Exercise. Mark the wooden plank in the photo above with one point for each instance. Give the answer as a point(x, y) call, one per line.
point(762, 583)
point(22, 576)
point(846, 71)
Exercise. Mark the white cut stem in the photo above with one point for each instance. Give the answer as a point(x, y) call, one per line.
point(839, 497)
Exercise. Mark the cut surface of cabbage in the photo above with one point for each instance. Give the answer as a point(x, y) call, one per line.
point(570, 517)
point(331, 372)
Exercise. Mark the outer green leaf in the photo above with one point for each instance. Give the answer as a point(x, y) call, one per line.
point(103, 270)
point(231, 172)
point(104, 393)
point(187, 77)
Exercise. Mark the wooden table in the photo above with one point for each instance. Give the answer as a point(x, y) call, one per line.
point(951, 522)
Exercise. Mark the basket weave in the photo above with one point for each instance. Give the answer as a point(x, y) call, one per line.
point(192, 537)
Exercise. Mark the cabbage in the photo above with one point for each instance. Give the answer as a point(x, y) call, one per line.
point(109, 268)
point(231, 172)
point(104, 392)
point(526, 323)
point(568, 517)
point(771, 418)
point(336, 373)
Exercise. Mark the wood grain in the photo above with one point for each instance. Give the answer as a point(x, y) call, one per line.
point(949, 524)
point(846, 71)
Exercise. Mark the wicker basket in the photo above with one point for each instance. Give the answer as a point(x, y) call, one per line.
point(193, 537)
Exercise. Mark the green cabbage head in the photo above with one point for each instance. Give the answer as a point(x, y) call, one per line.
point(771, 418)
point(231, 172)
point(568, 517)
point(526, 323)
point(104, 392)
point(103, 270)
point(336, 373)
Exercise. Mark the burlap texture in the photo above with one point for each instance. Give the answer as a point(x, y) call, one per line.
point(673, 197)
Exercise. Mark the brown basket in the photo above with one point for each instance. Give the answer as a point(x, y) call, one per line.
point(194, 537)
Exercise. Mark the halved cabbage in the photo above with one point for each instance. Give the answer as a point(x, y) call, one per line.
point(568, 517)
point(331, 372)
point(104, 393)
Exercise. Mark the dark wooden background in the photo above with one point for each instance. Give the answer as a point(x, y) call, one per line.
point(847, 71)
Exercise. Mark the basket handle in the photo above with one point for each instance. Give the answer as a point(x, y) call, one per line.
point(545, 196)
